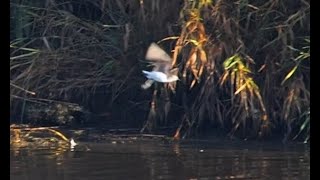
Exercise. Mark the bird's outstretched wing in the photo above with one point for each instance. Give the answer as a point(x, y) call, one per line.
point(155, 53)
point(147, 84)
point(159, 58)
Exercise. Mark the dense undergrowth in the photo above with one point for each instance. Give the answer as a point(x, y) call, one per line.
point(243, 65)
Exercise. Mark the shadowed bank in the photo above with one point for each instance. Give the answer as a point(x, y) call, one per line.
point(243, 68)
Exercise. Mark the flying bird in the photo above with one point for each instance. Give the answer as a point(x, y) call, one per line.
point(162, 71)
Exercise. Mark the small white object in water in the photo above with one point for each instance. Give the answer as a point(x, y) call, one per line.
point(162, 71)
point(201, 150)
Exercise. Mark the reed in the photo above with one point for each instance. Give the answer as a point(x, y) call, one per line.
point(244, 66)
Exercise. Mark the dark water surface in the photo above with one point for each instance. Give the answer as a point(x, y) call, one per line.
point(159, 160)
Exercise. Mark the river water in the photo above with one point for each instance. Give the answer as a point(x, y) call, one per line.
point(189, 160)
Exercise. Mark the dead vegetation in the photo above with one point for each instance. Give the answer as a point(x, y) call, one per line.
point(244, 66)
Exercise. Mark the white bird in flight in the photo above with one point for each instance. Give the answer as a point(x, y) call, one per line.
point(162, 70)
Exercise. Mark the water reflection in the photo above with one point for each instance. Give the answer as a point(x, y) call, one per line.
point(161, 161)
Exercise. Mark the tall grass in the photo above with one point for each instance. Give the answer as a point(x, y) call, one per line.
point(244, 66)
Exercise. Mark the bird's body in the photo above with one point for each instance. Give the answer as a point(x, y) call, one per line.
point(162, 71)
point(160, 76)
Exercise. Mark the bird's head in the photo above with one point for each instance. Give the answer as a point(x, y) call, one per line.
point(173, 78)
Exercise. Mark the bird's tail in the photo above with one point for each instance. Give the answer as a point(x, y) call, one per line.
point(145, 72)
point(149, 82)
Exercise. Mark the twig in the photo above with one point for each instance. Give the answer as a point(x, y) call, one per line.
point(18, 87)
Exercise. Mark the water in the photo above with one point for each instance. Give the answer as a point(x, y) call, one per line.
point(158, 160)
